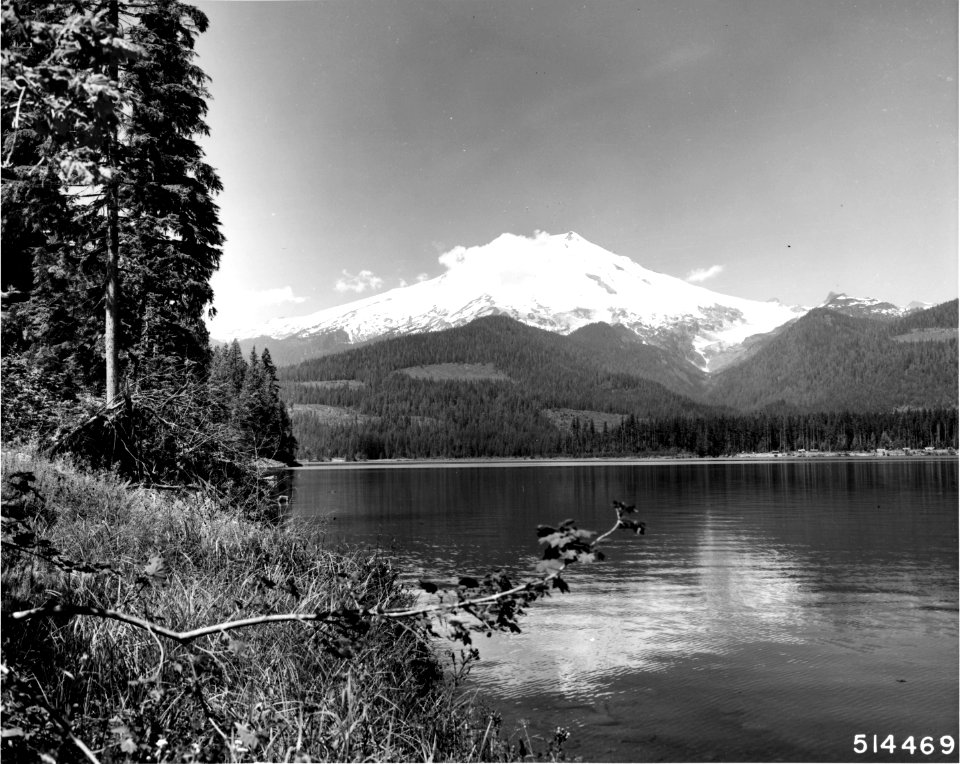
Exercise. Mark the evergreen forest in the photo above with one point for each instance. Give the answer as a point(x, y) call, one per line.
point(829, 383)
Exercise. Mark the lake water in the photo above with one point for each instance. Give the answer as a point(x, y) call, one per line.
point(772, 612)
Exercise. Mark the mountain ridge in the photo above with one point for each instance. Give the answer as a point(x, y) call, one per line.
point(562, 284)
point(825, 360)
point(559, 283)
point(497, 387)
point(829, 360)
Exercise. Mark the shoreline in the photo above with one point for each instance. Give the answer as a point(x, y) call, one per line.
point(481, 462)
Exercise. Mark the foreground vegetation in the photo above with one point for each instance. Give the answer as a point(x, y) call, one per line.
point(92, 688)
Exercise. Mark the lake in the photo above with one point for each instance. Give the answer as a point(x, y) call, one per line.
point(773, 610)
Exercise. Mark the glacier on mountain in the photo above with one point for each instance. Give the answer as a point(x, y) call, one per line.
point(554, 282)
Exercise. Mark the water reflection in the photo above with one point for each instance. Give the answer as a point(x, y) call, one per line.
point(646, 614)
point(776, 598)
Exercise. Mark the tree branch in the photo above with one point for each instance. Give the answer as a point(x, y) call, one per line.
point(329, 616)
point(15, 127)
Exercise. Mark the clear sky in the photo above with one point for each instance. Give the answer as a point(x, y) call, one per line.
point(765, 148)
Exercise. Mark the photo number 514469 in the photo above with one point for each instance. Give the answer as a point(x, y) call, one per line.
point(924, 746)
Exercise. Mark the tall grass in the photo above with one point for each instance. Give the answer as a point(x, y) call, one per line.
point(88, 688)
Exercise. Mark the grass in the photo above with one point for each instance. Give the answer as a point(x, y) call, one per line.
point(333, 415)
point(563, 418)
point(469, 372)
point(88, 688)
point(327, 384)
point(933, 334)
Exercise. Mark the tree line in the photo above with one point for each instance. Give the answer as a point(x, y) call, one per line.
point(411, 418)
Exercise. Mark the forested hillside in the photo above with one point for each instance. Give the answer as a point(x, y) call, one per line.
point(545, 367)
point(617, 349)
point(293, 350)
point(945, 315)
point(502, 416)
point(833, 362)
point(543, 394)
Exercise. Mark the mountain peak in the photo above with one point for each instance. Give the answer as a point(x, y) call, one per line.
point(860, 306)
point(558, 282)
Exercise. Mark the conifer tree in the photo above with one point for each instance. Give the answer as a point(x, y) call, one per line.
point(172, 238)
point(131, 182)
point(110, 231)
point(262, 414)
point(284, 444)
point(59, 109)
point(227, 371)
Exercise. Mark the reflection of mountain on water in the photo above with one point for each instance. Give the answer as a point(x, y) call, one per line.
point(780, 554)
point(647, 614)
point(769, 597)
point(750, 589)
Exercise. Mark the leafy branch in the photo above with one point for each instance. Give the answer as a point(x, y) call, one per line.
point(494, 602)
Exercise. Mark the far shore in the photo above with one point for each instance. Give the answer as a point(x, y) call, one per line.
point(445, 463)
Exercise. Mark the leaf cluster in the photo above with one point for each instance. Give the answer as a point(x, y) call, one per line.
point(56, 82)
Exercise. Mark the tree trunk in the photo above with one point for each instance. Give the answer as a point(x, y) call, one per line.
point(110, 346)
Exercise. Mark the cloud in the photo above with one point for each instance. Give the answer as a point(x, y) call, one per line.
point(361, 282)
point(275, 296)
point(453, 258)
point(702, 274)
point(503, 250)
point(420, 277)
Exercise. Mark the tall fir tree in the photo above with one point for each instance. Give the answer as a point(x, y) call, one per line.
point(281, 428)
point(172, 241)
point(146, 197)
point(59, 108)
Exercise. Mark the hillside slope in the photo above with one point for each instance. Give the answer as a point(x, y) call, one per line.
point(499, 388)
point(828, 361)
point(553, 370)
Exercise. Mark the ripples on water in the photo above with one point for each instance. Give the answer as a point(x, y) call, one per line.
point(773, 611)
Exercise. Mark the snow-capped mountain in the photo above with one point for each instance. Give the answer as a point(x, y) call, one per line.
point(861, 307)
point(554, 282)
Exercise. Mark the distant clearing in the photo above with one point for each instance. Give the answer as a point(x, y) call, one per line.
point(332, 414)
point(468, 372)
point(424, 421)
point(938, 334)
point(326, 384)
point(563, 418)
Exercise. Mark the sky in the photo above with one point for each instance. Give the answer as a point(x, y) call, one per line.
point(760, 148)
